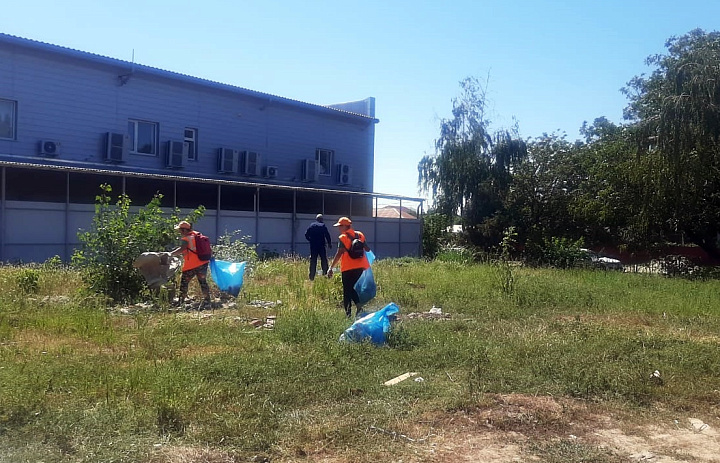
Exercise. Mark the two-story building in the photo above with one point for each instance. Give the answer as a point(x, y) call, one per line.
point(263, 164)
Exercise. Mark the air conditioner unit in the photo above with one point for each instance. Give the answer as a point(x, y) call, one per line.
point(250, 163)
point(309, 170)
point(116, 146)
point(227, 161)
point(177, 152)
point(344, 174)
point(271, 172)
point(49, 147)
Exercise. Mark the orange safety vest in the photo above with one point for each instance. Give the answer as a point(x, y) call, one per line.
point(347, 262)
point(190, 257)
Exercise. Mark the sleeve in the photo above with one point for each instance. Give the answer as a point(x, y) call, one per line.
point(327, 236)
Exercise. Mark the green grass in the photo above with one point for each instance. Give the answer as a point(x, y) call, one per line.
point(82, 383)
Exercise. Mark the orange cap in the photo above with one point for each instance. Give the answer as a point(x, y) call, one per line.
point(343, 221)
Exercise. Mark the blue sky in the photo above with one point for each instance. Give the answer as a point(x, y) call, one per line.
point(548, 64)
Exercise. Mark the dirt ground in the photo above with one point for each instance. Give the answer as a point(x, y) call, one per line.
point(511, 428)
point(503, 433)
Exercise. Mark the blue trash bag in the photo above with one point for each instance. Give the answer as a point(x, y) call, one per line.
point(372, 326)
point(227, 275)
point(365, 287)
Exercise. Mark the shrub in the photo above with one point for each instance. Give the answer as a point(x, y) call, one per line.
point(235, 247)
point(28, 280)
point(117, 237)
point(561, 253)
point(434, 233)
point(456, 254)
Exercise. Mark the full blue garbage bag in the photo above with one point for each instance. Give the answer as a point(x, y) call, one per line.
point(227, 275)
point(365, 287)
point(372, 326)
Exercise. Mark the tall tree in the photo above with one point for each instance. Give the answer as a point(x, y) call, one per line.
point(542, 188)
point(459, 164)
point(676, 111)
point(470, 173)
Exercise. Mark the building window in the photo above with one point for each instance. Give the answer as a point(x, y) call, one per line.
point(143, 137)
point(8, 109)
point(191, 140)
point(325, 160)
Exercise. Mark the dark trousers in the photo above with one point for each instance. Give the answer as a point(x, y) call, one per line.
point(349, 278)
point(314, 254)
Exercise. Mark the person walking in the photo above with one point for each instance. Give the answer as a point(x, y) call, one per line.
point(317, 234)
point(192, 265)
point(353, 261)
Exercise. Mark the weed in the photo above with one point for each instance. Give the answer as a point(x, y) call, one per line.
point(28, 280)
point(571, 451)
point(92, 384)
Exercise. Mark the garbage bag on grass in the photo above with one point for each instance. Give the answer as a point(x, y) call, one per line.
point(372, 326)
point(228, 276)
point(365, 286)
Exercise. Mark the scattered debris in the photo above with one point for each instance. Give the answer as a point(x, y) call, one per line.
point(655, 378)
point(264, 304)
point(269, 322)
point(435, 313)
point(395, 435)
point(157, 267)
point(698, 425)
point(397, 379)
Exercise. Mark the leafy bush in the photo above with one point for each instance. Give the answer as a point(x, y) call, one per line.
point(117, 237)
point(28, 280)
point(434, 233)
point(456, 254)
point(235, 247)
point(560, 253)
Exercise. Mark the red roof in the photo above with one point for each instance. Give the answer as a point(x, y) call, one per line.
point(393, 212)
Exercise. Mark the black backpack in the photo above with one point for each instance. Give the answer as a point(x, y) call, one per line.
point(357, 247)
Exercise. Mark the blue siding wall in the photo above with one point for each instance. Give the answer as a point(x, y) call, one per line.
point(76, 100)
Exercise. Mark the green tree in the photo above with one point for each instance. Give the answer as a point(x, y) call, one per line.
point(676, 114)
point(609, 190)
point(542, 188)
point(471, 171)
point(117, 237)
